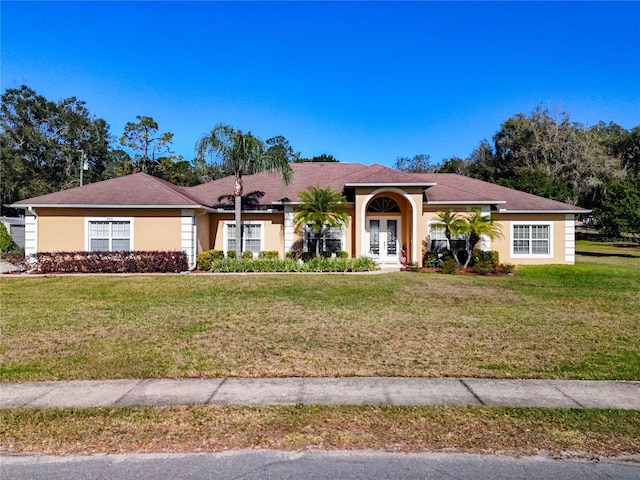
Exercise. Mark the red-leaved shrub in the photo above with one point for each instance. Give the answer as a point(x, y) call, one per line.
point(112, 262)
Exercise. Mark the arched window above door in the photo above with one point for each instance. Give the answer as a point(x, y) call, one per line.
point(383, 205)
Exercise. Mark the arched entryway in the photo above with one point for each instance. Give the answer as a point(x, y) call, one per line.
point(384, 230)
point(388, 216)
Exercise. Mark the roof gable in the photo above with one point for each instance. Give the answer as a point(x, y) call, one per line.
point(381, 175)
point(137, 189)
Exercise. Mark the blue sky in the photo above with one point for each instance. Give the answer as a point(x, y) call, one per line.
point(364, 81)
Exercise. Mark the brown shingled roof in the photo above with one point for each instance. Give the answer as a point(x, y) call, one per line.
point(330, 174)
point(379, 174)
point(136, 189)
point(142, 189)
point(458, 188)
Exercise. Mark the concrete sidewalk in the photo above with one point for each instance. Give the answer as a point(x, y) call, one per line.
point(323, 391)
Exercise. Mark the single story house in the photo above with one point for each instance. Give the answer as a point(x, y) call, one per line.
point(392, 214)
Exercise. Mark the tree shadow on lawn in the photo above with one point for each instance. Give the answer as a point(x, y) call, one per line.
point(601, 254)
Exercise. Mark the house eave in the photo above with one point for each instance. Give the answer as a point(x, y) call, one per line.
point(580, 211)
point(387, 184)
point(465, 202)
point(105, 206)
point(226, 210)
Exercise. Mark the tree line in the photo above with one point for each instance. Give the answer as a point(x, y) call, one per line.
point(594, 167)
point(47, 146)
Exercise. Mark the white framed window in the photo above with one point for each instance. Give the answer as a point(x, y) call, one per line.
point(253, 238)
point(331, 239)
point(532, 239)
point(108, 234)
point(438, 240)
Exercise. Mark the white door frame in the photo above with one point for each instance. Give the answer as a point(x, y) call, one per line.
point(382, 256)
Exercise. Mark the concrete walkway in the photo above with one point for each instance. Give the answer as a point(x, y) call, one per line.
point(323, 391)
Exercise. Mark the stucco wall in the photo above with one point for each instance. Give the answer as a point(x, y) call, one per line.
point(64, 229)
point(204, 232)
point(503, 245)
point(273, 224)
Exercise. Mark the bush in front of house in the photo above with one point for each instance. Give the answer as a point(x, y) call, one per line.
point(449, 266)
point(204, 259)
point(483, 268)
point(484, 256)
point(269, 254)
point(318, 264)
point(487, 268)
point(6, 241)
point(434, 258)
point(112, 262)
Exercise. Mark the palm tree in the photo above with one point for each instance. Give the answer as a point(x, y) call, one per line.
point(453, 224)
point(475, 227)
point(249, 200)
point(239, 154)
point(321, 208)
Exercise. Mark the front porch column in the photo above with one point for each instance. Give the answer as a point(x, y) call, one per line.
point(289, 231)
point(30, 233)
point(485, 242)
point(570, 238)
point(188, 235)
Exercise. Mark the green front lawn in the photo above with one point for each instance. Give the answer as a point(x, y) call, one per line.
point(579, 322)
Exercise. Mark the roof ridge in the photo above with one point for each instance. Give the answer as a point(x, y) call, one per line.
point(179, 190)
point(506, 190)
point(466, 191)
point(361, 173)
point(371, 170)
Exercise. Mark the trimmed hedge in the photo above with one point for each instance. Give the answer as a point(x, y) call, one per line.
point(204, 259)
point(112, 262)
point(232, 265)
point(482, 256)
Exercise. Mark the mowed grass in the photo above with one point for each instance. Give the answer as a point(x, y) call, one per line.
point(572, 322)
point(512, 431)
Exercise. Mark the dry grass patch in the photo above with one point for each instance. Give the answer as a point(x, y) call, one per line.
point(408, 429)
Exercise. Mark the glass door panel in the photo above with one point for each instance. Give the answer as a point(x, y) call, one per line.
point(392, 239)
point(374, 237)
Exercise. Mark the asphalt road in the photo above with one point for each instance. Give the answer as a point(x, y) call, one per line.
point(308, 465)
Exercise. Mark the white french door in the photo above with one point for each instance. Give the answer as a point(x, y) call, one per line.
point(383, 238)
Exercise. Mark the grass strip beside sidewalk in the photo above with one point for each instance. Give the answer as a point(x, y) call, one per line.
point(511, 431)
